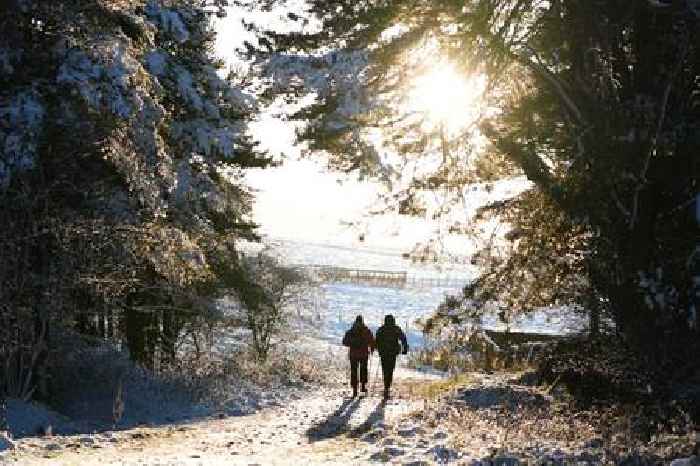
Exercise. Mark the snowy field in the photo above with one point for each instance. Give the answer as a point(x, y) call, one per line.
point(345, 301)
point(334, 306)
point(300, 252)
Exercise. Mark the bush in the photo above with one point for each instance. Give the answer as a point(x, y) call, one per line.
point(265, 294)
point(596, 370)
point(89, 377)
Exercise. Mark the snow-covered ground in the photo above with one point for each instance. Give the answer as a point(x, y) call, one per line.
point(326, 427)
point(345, 301)
point(484, 420)
point(335, 305)
point(308, 428)
point(548, 321)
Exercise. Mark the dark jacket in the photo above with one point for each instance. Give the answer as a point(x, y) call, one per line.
point(390, 340)
point(360, 341)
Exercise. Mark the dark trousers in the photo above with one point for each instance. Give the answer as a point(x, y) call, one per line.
point(388, 365)
point(359, 364)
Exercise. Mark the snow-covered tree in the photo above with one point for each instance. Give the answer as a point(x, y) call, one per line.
point(267, 288)
point(596, 103)
point(122, 147)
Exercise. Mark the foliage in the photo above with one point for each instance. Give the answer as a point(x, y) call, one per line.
point(606, 369)
point(265, 294)
point(597, 103)
point(360, 64)
point(123, 149)
point(597, 370)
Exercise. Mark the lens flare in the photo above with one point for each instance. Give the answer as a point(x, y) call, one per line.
point(446, 97)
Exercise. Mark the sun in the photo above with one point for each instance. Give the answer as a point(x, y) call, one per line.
point(446, 97)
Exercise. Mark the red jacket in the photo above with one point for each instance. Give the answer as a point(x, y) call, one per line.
point(360, 341)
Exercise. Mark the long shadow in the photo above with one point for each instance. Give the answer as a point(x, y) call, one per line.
point(149, 403)
point(335, 424)
point(374, 417)
point(494, 397)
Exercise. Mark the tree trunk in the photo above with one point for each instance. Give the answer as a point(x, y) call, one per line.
point(111, 324)
point(594, 322)
point(41, 345)
point(171, 329)
point(135, 331)
point(102, 322)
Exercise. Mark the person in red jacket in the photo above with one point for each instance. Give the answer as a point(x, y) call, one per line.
point(360, 342)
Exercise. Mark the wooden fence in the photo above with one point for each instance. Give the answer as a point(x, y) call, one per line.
point(388, 278)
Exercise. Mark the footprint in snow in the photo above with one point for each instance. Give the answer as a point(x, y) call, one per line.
point(410, 431)
point(386, 454)
point(415, 462)
point(442, 453)
point(422, 443)
point(373, 436)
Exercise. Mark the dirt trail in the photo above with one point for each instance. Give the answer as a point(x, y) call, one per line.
point(320, 428)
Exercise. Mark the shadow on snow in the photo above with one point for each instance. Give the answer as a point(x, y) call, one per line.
point(338, 422)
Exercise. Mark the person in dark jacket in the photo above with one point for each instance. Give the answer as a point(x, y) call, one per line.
point(360, 341)
point(390, 341)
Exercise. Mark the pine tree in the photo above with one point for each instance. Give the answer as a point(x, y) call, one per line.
point(598, 108)
point(123, 149)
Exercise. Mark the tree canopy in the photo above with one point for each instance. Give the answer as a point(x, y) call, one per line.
point(123, 144)
point(597, 103)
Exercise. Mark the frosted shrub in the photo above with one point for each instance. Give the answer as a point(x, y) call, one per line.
point(265, 296)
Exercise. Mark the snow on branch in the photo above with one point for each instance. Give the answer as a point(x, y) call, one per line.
point(659, 3)
point(103, 77)
point(21, 122)
point(169, 21)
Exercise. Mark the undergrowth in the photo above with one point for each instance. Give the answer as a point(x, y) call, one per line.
point(435, 389)
point(231, 381)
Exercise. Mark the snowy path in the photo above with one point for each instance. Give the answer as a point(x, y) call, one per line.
point(318, 428)
point(486, 419)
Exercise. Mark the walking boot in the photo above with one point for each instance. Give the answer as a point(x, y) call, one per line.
point(354, 391)
point(386, 394)
point(364, 388)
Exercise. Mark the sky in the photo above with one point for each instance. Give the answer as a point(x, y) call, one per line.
point(300, 199)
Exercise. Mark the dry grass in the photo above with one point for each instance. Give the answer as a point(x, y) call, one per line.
point(514, 418)
point(431, 389)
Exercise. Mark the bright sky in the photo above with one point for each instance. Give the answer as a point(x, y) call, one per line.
point(446, 97)
point(301, 199)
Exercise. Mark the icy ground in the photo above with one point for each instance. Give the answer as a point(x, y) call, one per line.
point(485, 420)
point(316, 428)
point(319, 428)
